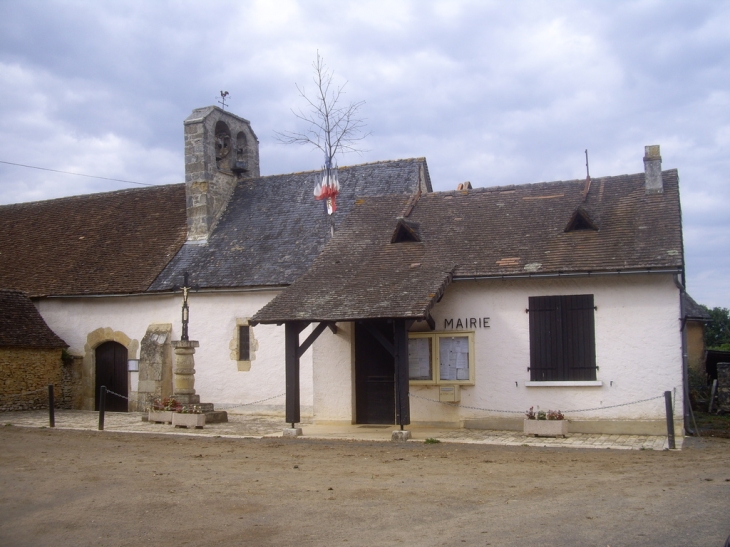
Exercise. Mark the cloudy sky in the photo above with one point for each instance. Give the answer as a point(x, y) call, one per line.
point(491, 92)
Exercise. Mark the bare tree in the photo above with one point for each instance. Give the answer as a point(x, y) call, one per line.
point(332, 126)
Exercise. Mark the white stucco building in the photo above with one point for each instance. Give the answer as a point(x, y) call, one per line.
point(558, 296)
point(462, 308)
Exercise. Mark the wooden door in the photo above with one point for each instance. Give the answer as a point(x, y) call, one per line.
point(374, 376)
point(111, 371)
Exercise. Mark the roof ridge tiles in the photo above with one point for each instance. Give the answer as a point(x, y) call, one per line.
point(110, 193)
point(525, 185)
point(340, 168)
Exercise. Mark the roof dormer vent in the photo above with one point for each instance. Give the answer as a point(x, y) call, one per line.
point(405, 231)
point(580, 221)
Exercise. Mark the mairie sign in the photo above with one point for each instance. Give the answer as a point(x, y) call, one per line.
point(466, 323)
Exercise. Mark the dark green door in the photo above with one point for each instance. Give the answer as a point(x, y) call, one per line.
point(111, 371)
point(374, 376)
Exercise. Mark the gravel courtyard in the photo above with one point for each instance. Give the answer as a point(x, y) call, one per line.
point(63, 487)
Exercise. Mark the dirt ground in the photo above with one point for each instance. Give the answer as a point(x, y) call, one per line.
point(61, 487)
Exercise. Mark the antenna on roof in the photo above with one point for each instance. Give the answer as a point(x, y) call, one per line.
point(222, 100)
point(588, 179)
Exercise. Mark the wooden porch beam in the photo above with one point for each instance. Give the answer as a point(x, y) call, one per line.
point(379, 337)
point(431, 322)
point(319, 329)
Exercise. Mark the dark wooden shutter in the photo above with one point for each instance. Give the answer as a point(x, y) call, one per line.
point(579, 339)
point(244, 353)
point(562, 338)
point(545, 334)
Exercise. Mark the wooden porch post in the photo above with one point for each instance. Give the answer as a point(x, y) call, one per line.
point(400, 356)
point(291, 342)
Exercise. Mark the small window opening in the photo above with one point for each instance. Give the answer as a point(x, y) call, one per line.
point(244, 343)
point(222, 142)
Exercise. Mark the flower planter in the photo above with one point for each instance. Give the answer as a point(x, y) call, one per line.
point(160, 416)
point(546, 428)
point(188, 420)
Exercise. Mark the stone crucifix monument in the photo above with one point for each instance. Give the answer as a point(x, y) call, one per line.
point(183, 389)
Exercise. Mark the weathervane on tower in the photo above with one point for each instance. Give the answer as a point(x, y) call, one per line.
point(222, 100)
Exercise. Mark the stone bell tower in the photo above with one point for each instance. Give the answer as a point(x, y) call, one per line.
point(220, 150)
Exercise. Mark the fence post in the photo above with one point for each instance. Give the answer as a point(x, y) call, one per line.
point(51, 415)
point(670, 419)
point(712, 395)
point(102, 402)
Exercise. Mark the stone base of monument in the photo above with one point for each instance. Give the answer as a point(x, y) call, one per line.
point(212, 416)
point(216, 416)
point(292, 432)
point(400, 435)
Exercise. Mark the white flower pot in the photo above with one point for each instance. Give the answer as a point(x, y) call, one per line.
point(188, 420)
point(546, 428)
point(160, 416)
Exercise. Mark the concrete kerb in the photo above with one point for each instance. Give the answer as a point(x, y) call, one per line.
point(258, 427)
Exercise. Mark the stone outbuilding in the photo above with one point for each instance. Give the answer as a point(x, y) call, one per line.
point(695, 320)
point(30, 357)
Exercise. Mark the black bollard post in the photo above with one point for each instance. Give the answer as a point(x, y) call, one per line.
point(51, 416)
point(102, 402)
point(670, 419)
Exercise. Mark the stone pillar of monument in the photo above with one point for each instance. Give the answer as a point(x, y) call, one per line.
point(183, 388)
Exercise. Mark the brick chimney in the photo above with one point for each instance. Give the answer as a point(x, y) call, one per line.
point(220, 150)
point(653, 170)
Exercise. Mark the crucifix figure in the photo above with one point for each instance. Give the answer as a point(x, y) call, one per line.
point(185, 309)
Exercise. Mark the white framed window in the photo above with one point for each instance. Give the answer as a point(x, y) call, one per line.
point(441, 358)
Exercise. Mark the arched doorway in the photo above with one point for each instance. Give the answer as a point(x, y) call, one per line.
point(111, 371)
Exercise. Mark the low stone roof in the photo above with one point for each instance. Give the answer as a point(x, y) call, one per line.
point(22, 326)
point(273, 228)
point(496, 231)
point(114, 242)
point(693, 311)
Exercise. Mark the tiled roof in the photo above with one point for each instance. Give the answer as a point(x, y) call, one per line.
point(692, 310)
point(115, 242)
point(514, 230)
point(22, 326)
point(272, 228)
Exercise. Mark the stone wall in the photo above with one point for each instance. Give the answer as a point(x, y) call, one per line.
point(723, 386)
point(155, 366)
point(25, 374)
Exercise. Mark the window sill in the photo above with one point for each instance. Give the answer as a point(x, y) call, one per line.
point(441, 383)
point(585, 383)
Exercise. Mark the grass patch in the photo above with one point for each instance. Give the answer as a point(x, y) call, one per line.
point(431, 441)
point(713, 425)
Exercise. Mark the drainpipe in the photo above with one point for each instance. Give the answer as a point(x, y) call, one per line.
point(685, 361)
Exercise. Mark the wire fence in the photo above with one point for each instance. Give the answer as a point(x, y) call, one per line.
point(231, 406)
point(503, 411)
